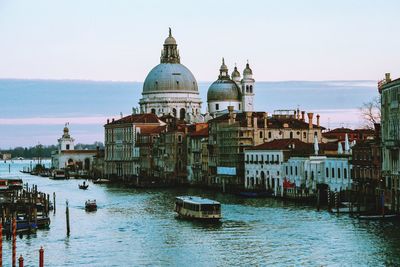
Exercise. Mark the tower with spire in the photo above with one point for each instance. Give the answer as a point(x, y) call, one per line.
point(247, 89)
point(66, 142)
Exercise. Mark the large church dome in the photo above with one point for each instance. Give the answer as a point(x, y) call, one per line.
point(170, 88)
point(170, 77)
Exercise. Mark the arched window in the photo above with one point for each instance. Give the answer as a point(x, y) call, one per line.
point(291, 135)
point(174, 112)
point(182, 114)
point(153, 110)
point(247, 88)
point(251, 88)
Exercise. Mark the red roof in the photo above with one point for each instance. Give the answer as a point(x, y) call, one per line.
point(200, 133)
point(283, 144)
point(137, 118)
point(151, 129)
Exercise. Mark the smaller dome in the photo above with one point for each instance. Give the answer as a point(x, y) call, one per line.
point(170, 40)
point(235, 73)
point(223, 90)
point(247, 70)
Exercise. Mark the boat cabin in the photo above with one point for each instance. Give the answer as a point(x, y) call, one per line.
point(197, 208)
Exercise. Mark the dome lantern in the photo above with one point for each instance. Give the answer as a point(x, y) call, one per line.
point(170, 53)
point(223, 71)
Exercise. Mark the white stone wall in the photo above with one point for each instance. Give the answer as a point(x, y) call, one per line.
point(267, 164)
point(222, 106)
point(310, 171)
point(165, 103)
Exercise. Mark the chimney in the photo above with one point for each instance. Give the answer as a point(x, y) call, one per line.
point(112, 120)
point(255, 121)
point(310, 118)
point(318, 120)
point(296, 114)
point(108, 121)
point(265, 118)
point(387, 77)
point(248, 118)
point(230, 114)
point(303, 115)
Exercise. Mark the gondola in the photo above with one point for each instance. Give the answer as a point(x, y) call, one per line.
point(83, 186)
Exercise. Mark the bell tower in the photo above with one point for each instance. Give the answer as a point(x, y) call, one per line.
point(247, 89)
point(66, 142)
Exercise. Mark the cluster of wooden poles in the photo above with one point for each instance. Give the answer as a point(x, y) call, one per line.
point(14, 248)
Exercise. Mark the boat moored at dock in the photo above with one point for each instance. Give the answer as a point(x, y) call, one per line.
point(198, 208)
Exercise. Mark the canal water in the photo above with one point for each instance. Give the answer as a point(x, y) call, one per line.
point(135, 227)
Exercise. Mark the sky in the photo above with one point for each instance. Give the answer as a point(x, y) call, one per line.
point(121, 40)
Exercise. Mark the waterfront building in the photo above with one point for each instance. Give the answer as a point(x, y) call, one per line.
point(170, 152)
point(171, 88)
point(231, 91)
point(354, 135)
point(390, 138)
point(231, 133)
point(6, 156)
point(128, 145)
point(366, 172)
point(197, 164)
point(291, 167)
point(264, 163)
point(67, 157)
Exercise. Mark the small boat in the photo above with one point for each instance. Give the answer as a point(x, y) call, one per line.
point(58, 174)
point(83, 186)
point(22, 224)
point(90, 205)
point(198, 208)
point(378, 217)
point(101, 181)
point(346, 207)
point(255, 194)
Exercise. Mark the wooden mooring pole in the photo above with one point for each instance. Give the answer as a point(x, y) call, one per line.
point(14, 242)
point(318, 199)
point(41, 257)
point(67, 218)
point(1, 242)
point(54, 202)
point(21, 261)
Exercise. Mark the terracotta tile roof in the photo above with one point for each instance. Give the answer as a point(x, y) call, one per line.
point(137, 118)
point(200, 133)
point(283, 144)
point(273, 122)
point(151, 129)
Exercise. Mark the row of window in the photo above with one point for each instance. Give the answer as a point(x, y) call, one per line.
point(268, 158)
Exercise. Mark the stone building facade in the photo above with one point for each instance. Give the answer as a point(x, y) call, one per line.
point(126, 145)
point(390, 137)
